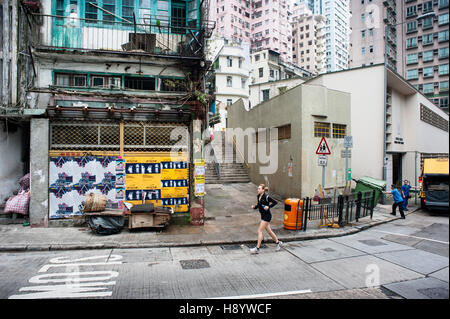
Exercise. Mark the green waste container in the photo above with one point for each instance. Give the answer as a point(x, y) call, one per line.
point(368, 184)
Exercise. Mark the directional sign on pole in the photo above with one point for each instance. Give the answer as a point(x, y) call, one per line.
point(323, 148)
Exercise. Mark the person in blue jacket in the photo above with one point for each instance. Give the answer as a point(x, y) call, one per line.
point(405, 191)
point(398, 201)
point(264, 204)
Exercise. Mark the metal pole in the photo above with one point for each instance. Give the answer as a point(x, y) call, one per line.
point(6, 31)
point(415, 179)
point(323, 179)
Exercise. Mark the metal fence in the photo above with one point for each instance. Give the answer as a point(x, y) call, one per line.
point(156, 35)
point(345, 210)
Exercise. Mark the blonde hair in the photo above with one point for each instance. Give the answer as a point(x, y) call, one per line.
point(263, 186)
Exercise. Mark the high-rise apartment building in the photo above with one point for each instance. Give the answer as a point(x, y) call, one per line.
point(371, 22)
point(308, 39)
point(263, 23)
point(337, 30)
point(426, 55)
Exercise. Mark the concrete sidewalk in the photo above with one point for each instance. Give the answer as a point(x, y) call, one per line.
point(229, 220)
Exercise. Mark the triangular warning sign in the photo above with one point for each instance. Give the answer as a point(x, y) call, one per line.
point(323, 148)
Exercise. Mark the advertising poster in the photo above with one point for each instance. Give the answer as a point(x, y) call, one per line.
point(72, 178)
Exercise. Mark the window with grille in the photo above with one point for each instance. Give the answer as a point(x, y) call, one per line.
point(91, 10)
point(173, 85)
point(70, 79)
point(140, 83)
point(339, 130)
point(321, 129)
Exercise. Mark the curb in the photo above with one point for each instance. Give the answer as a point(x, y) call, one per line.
point(79, 246)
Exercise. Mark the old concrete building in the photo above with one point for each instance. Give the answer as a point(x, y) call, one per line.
point(394, 126)
point(262, 92)
point(119, 88)
point(303, 115)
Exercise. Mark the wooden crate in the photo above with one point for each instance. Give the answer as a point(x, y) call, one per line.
point(143, 220)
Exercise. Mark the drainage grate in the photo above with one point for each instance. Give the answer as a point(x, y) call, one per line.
point(194, 264)
point(328, 250)
point(372, 242)
point(231, 247)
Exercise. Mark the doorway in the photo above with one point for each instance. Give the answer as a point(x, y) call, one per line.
point(397, 169)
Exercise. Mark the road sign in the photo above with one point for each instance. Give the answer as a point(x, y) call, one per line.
point(346, 153)
point(322, 160)
point(348, 141)
point(323, 148)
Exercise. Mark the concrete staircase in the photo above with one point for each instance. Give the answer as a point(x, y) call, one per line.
point(230, 170)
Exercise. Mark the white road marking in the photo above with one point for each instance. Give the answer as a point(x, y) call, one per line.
point(433, 240)
point(274, 294)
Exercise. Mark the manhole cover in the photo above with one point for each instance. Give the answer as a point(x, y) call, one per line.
point(372, 242)
point(434, 293)
point(328, 250)
point(194, 264)
point(231, 247)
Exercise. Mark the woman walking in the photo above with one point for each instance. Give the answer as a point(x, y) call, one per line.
point(265, 203)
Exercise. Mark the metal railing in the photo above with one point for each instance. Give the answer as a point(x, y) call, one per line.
point(346, 209)
point(157, 36)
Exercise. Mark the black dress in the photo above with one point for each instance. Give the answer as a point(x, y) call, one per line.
point(266, 200)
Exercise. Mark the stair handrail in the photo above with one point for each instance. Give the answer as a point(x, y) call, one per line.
point(237, 149)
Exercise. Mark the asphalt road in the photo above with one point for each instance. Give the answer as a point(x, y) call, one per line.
point(401, 259)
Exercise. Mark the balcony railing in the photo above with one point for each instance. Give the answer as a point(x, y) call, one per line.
point(165, 36)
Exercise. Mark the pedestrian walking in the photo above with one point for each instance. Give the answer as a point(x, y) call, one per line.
point(264, 204)
point(398, 201)
point(405, 192)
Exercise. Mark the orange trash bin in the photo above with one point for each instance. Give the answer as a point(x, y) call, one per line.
point(293, 213)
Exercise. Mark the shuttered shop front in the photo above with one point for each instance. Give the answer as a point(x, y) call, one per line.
point(123, 160)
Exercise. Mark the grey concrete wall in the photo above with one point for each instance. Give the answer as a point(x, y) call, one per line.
point(39, 146)
point(281, 110)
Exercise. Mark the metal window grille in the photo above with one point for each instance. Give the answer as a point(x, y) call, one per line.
point(430, 117)
point(339, 130)
point(321, 129)
point(105, 136)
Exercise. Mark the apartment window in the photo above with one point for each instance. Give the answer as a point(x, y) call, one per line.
point(229, 61)
point(428, 72)
point(284, 132)
point(427, 7)
point(411, 26)
point(412, 74)
point(443, 102)
point(443, 53)
point(443, 36)
point(229, 102)
point(243, 83)
point(363, 34)
point(428, 88)
point(427, 23)
point(321, 129)
point(411, 58)
point(230, 81)
point(443, 86)
point(261, 72)
point(443, 69)
point(428, 56)
point(371, 49)
point(272, 74)
point(172, 85)
point(411, 43)
point(257, 57)
point(90, 9)
point(140, 83)
point(443, 19)
point(443, 4)
point(411, 11)
point(427, 39)
point(362, 17)
point(371, 32)
point(76, 80)
point(265, 94)
point(363, 50)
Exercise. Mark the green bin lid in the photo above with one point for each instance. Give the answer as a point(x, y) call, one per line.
point(372, 182)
